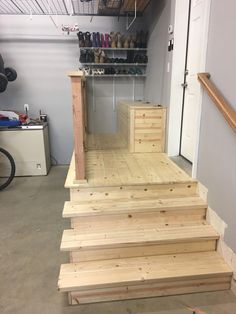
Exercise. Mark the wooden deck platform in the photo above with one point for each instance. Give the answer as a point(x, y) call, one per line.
point(138, 223)
point(118, 167)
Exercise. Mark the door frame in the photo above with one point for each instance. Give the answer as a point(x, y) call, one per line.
point(177, 77)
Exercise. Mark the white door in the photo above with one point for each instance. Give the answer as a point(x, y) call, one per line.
point(195, 63)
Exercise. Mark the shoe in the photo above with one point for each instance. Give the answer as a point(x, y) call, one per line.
point(83, 56)
point(107, 41)
point(130, 56)
point(97, 53)
point(138, 40)
point(144, 39)
point(119, 40)
point(94, 42)
point(98, 39)
point(87, 40)
point(87, 71)
point(132, 71)
point(101, 71)
point(89, 56)
point(132, 42)
point(102, 57)
point(103, 44)
point(81, 39)
point(138, 71)
point(113, 40)
point(127, 42)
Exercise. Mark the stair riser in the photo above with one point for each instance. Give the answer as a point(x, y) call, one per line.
point(134, 192)
point(136, 220)
point(141, 250)
point(150, 290)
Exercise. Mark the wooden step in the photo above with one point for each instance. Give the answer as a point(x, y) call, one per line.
point(124, 206)
point(138, 242)
point(139, 191)
point(94, 216)
point(139, 277)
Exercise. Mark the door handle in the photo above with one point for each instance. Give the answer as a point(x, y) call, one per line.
point(184, 85)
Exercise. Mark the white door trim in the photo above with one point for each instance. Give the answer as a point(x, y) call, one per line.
point(177, 76)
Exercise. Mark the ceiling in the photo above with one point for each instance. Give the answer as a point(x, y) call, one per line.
point(73, 7)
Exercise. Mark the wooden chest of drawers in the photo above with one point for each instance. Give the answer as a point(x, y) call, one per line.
point(142, 126)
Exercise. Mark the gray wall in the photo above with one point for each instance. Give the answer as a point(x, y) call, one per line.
point(42, 55)
point(157, 87)
point(217, 154)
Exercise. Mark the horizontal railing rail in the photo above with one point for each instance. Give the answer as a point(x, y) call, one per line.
point(222, 104)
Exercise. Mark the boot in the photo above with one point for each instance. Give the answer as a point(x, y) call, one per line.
point(98, 40)
point(138, 40)
point(132, 42)
point(107, 41)
point(97, 53)
point(102, 57)
point(103, 44)
point(87, 40)
point(145, 40)
point(130, 56)
point(127, 41)
point(94, 44)
point(90, 56)
point(82, 58)
point(81, 39)
point(113, 40)
point(119, 40)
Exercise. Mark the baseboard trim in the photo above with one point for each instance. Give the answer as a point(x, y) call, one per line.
point(220, 226)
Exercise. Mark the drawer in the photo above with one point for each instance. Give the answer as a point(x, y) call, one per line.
point(148, 113)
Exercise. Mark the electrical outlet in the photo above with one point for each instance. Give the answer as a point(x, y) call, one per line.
point(26, 107)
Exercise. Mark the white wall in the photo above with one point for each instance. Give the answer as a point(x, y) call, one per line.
point(42, 55)
point(217, 145)
point(157, 87)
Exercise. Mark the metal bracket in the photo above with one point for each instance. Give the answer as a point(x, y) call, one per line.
point(94, 106)
point(128, 25)
point(134, 89)
point(114, 94)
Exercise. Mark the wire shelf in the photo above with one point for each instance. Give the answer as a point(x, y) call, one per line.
point(116, 75)
point(115, 64)
point(115, 49)
point(69, 7)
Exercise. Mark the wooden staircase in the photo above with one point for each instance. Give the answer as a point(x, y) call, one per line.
point(139, 241)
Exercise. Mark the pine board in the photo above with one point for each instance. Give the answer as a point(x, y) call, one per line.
point(75, 240)
point(122, 206)
point(141, 270)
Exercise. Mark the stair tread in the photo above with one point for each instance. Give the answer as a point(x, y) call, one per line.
point(140, 270)
point(75, 240)
point(89, 208)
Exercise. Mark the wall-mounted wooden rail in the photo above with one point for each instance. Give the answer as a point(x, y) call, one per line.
point(79, 122)
point(225, 108)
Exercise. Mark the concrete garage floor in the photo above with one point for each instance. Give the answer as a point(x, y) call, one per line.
point(30, 231)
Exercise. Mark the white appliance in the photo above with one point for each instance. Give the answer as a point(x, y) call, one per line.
point(29, 146)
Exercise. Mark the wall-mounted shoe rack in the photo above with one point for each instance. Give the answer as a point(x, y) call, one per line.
point(115, 66)
point(113, 56)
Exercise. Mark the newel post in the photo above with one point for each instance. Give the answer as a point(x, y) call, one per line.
point(78, 123)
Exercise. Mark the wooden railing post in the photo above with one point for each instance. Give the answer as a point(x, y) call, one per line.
point(78, 123)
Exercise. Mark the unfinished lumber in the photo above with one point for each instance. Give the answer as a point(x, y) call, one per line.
point(192, 272)
point(142, 126)
point(110, 238)
point(110, 243)
point(124, 205)
point(79, 123)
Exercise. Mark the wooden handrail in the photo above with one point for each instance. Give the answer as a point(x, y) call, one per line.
point(225, 108)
